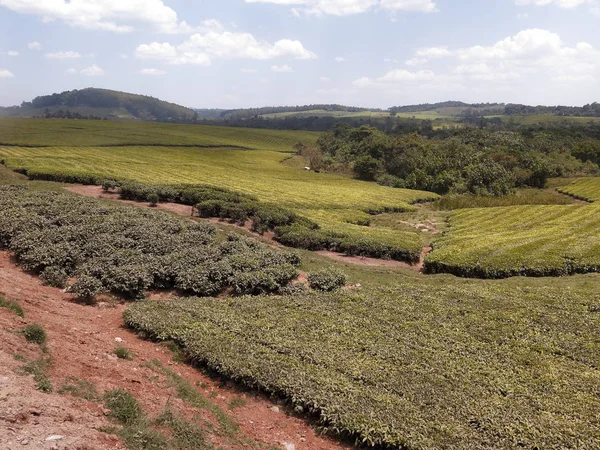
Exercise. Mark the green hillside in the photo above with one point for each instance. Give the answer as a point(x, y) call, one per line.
point(102, 103)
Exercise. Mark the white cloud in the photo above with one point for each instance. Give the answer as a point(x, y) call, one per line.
point(325, 79)
point(5, 74)
point(110, 15)
point(93, 71)
point(123, 56)
point(63, 55)
point(416, 61)
point(560, 3)
point(349, 7)
point(529, 59)
point(433, 52)
point(340, 59)
point(244, 70)
point(12, 53)
point(35, 45)
point(153, 72)
point(71, 71)
point(202, 48)
point(284, 69)
point(395, 76)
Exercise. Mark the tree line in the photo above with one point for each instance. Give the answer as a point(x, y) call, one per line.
point(466, 160)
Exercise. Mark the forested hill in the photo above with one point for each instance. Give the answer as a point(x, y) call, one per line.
point(101, 103)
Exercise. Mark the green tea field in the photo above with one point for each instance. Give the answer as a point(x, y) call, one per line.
point(585, 189)
point(45, 133)
point(534, 240)
point(427, 364)
point(392, 359)
point(336, 203)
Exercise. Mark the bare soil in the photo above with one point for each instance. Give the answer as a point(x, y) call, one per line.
point(81, 341)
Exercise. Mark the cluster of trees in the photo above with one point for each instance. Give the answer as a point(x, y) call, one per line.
point(433, 106)
point(589, 110)
point(326, 123)
point(60, 114)
point(467, 160)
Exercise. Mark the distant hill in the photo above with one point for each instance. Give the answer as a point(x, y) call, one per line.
point(275, 111)
point(101, 103)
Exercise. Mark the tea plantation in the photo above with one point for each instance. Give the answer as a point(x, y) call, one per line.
point(427, 364)
point(128, 251)
point(584, 188)
point(534, 240)
point(91, 151)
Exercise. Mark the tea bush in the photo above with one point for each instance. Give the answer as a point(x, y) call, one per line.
point(327, 280)
point(127, 250)
point(433, 363)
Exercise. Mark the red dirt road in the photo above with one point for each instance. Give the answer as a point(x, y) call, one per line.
point(81, 342)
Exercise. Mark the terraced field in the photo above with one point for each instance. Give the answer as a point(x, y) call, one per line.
point(584, 188)
point(534, 240)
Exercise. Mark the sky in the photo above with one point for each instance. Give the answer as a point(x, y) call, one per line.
point(250, 53)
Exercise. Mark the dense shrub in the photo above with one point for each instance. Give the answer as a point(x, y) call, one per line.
point(86, 287)
point(54, 276)
point(327, 280)
point(153, 199)
point(127, 250)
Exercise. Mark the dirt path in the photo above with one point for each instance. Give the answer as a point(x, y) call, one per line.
point(186, 211)
point(81, 343)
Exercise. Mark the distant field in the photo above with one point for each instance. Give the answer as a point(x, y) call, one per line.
point(532, 119)
point(324, 113)
point(520, 240)
point(56, 132)
point(583, 188)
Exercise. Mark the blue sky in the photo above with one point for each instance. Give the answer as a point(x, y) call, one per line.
point(242, 53)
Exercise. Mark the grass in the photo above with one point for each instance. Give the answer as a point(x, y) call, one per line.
point(79, 388)
point(237, 402)
point(39, 369)
point(123, 353)
point(587, 189)
point(124, 408)
point(428, 363)
point(540, 240)
point(35, 334)
point(11, 306)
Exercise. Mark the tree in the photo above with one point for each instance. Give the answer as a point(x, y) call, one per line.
point(367, 168)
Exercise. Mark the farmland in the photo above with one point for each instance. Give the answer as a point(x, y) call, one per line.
point(405, 360)
point(429, 364)
point(585, 188)
point(334, 202)
point(48, 133)
point(538, 240)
